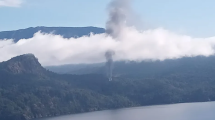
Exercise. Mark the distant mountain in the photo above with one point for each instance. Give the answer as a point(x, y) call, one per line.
point(66, 32)
point(78, 69)
point(29, 91)
point(145, 69)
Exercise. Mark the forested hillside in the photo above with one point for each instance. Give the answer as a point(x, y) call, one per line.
point(28, 91)
point(199, 65)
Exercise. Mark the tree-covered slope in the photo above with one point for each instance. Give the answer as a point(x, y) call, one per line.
point(199, 65)
point(34, 92)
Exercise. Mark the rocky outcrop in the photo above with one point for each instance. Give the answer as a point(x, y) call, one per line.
point(23, 64)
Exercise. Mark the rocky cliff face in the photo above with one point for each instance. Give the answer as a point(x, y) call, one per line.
point(23, 64)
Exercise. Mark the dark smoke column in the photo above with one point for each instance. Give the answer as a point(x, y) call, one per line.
point(109, 64)
point(118, 10)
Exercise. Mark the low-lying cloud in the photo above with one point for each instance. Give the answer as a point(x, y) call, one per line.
point(10, 3)
point(127, 42)
point(131, 45)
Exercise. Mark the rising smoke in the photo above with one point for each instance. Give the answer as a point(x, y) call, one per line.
point(118, 16)
point(109, 64)
point(128, 43)
point(117, 20)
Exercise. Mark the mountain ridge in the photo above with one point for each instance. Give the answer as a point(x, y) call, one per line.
point(66, 32)
point(144, 69)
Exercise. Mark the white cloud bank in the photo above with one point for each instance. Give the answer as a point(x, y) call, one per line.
point(127, 42)
point(131, 44)
point(10, 3)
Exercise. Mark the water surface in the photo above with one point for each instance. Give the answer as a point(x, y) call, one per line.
point(187, 111)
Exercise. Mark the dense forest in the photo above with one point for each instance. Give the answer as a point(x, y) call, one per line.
point(29, 91)
point(145, 69)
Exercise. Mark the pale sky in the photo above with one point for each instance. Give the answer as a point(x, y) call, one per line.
point(191, 17)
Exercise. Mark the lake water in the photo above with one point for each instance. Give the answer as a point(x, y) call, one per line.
point(187, 111)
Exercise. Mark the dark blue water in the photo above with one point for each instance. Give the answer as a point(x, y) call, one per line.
point(187, 111)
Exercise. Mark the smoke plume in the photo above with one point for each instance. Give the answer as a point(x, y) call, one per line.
point(109, 58)
point(118, 15)
point(117, 18)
